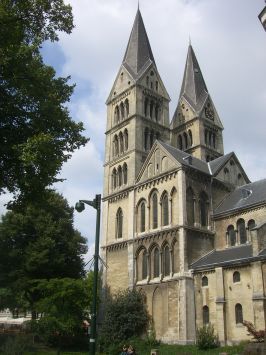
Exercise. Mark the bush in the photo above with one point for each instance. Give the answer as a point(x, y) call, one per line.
point(206, 338)
point(125, 316)
point(17, 345)
point(258, 335)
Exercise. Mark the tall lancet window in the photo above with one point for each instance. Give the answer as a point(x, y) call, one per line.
point(165, 210)
point(203, 204)
point(142, 217)
point(190, 207)
point(144, 265)
point(119, 223)
point(154, 210)
point(156, 263)
point(166, 261)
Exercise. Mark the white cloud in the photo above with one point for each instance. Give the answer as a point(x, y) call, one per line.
point(229, 43)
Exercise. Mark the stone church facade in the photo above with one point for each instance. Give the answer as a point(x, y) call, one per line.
point(181, 220)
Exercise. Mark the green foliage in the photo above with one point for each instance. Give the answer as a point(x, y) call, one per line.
point(125, 316)
point(37, 132)
point(258, 335)
point(206, 338)
point(17, 345)
point(37, 245)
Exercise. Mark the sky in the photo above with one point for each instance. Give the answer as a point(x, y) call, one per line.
point(230, 45)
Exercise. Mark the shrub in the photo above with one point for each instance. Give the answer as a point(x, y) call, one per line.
point(17, 345)
point(258, 335)
point(125, 316)
point(206, 338)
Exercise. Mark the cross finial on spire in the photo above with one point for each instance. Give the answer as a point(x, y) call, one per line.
point(189, 40)
point(138, 4)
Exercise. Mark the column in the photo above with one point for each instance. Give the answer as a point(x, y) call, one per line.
point(220, 305)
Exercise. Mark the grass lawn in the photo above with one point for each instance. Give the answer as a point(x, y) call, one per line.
point(144, 349)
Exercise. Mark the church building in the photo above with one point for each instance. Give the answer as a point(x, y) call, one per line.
point(181, 220)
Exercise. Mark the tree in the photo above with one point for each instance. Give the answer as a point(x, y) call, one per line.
point(36, 130)
point(37, 245)
point(125, 316)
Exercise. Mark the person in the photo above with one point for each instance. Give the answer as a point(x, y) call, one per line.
point(124, 350)
point(131, 350)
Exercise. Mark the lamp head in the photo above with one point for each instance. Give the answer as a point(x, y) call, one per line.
point(80, 206)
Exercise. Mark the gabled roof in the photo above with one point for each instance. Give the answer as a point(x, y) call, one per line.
point(243, 197)
point(186, 159)
point(138, 56)
point(218, 163)
point(238, 254)
point(193, 89)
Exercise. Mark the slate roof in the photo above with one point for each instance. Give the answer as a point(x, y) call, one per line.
point(232, 255)
point(183, 158)
point(216, 164)
point(193, 89)
point(243, 197)
point(138, 54)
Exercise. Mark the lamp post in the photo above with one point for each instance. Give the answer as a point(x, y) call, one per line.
point(262, 17)
point(80, 206)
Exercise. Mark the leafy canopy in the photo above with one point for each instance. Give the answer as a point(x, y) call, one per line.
point(125, 316)
point(36, 130)
point(38, 244)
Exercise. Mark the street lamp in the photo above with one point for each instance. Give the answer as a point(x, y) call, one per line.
point(262, 17)
point(80, 206)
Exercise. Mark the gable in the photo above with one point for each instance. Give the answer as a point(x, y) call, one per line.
point(152, 81)
point(209, 113)
point(122, 82)
point(157, 163)
point(232, 172)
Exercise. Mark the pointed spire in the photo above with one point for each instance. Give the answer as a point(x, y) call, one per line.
point(193, 87)
point(138, 54)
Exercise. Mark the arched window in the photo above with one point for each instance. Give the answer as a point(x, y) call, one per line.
point(242, 231)
point(205, 315)
point(121, 143)
point(180, 143)
point(125, 173)
point(146, 104)
point(236, 276)
point(151, 109)
point(190, 138)
point(146, 136)
point(144, 265)
point(114, 178)
point(207, 158)
point(226, 174)
point(165, 210)
point(204, 281)
point(251, 225)
point(122, 110)
point(154, 210)
point(210, 138)
point(231, 235)
point(214, 140)
point(119, 223)
point(142, 217)
point(166, 261)
point(203, 209)
point(117, 115)
point(238, 313)
point(126, 139)
point(206, 136)
point(147, 80)
point(151, 138)
point(127, 108)
point(116, 146)
point(156, 113)
point(185, 141)
point(119, 176)
point(190, 207)
point(156, 263)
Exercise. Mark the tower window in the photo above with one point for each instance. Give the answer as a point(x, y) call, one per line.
point(203, 209)
point(205, 315)
point(156, 263)
point(125, 173)
point(154, 210)
point(238, 313)
point(165, 210)
point(156, 85)
point(166, 260)
point(142, 217)
point(180, 143)
point(242, 231)
point(119, 223)
point(204, 281)
point(236, 276)
point(190, 207)
point(144, 265)
point(231, 235)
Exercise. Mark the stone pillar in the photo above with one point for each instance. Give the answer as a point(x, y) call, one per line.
point(187, 328)
point(220, 306)
point(258, 295)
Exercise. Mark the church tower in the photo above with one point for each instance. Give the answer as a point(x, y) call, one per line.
point(196, 126)
point(137, 115)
